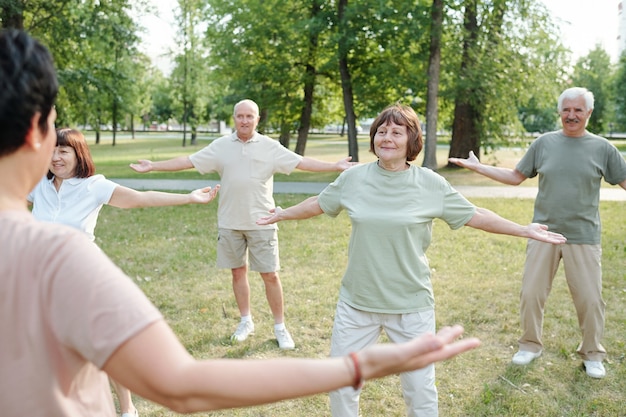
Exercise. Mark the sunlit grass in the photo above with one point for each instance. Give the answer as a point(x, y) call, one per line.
point(170, 253)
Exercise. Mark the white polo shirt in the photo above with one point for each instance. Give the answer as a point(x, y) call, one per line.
point(246, 172)
point(76, 204)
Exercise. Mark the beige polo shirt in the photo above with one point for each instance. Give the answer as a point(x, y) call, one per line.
point(246, 172)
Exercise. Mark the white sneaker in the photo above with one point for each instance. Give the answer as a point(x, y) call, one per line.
point(245, 329)
point(284, 339)
point(594, 369)
point(135, 414)
point(524, 357)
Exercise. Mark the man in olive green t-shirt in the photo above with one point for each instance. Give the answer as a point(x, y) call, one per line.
point(570, 163)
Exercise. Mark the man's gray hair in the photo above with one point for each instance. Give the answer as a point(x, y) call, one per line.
point(249, 102)
point(575, 92)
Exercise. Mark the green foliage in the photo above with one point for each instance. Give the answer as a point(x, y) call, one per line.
point(509, 60)
point(619, 88)
point(594, 72)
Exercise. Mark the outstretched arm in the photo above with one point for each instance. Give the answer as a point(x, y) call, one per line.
point(124, 197)
point(315, 165)
point(491, 222)
point(175, 164)
point(304, 210)
point(170, 376)
point(504, 175)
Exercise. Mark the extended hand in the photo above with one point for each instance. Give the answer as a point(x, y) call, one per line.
point(204, 195)
point(345, 163)
point(143, 165)
point(540, 232)
point(470, 163)
point(385, 359)
point(275, 217)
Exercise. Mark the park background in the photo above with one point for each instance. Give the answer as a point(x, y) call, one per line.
point(480, 73)
point(483, 75)
point(170, 253)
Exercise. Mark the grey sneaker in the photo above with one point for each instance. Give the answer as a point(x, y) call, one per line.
point(245, 329)
point(284, 339)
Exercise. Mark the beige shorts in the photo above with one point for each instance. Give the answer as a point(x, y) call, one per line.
point(258, 248)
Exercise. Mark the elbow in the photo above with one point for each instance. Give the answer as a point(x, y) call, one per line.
point(517, 178)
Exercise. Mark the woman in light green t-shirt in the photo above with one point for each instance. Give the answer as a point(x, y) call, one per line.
point(386, 285)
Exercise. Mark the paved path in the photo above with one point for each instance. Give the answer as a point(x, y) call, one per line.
point(607, 194)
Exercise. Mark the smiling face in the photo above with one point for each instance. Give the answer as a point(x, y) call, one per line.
point(574, 116)
point(64, 162)
point(246, 119)
point(390, 143)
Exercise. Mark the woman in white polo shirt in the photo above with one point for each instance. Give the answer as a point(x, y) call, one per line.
point(72, 194)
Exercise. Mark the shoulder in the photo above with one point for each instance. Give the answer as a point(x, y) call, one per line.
point(548, 136)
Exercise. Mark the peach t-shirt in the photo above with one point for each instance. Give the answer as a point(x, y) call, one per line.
point(64, 309)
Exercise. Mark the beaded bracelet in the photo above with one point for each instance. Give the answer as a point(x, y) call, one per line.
point(358, 376)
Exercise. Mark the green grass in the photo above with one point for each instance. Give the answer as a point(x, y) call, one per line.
point(170, 253)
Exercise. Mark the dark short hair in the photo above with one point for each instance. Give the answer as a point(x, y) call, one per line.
point(28, 85)
point(404, 116)
point(85, 167)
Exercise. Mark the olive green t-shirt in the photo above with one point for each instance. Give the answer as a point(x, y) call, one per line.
point(570, 173)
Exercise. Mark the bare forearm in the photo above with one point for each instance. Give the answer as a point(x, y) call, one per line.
point(176, 164)
point(314, 165)
point(503, 175)
point(489, 221)
point(304, 210)
point(223, 384)
point(150, 199)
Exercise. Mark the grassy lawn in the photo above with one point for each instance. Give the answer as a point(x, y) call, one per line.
point(170, 253)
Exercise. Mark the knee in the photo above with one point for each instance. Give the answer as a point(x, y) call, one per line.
point(270, 278)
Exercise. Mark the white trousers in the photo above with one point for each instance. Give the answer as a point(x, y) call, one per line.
point(355, 329)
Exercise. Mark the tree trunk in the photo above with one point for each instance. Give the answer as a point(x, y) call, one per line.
point(114, 127)
point(432, 102)
point(465, 132)
point(309, 83)
point(346, 83)
point(285, 134)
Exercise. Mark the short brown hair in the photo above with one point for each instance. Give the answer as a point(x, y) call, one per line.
point(404, 116)
point(85, 166)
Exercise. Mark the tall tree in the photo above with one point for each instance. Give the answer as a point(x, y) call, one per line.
point(432, 100)
point(310, 74)
point(594, 72)
point(344, 41)
point(465, 130)
point(504, 44)
point(619, 85)
point(189, 75)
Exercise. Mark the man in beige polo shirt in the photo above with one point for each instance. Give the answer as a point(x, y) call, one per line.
point(246, 162)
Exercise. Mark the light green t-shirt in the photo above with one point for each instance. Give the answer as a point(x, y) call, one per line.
point(392, 215)
point(570, 173)
point(246, 172)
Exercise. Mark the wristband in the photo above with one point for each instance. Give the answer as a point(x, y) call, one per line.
point(358, 376)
